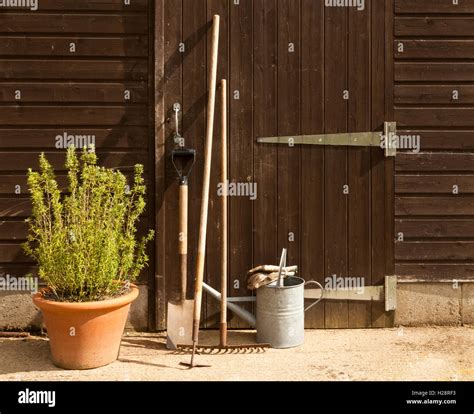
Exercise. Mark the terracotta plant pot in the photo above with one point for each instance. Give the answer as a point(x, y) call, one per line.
point(85, 335)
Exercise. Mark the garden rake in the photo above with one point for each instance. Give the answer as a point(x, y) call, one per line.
point(223, 346)
point(201, 250)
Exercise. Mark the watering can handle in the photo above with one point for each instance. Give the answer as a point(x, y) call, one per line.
point(314, 282)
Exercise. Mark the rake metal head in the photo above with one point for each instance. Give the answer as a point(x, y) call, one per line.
point(228, 349)
point(191, 364)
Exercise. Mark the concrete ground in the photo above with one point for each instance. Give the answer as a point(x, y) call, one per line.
point(390, 354)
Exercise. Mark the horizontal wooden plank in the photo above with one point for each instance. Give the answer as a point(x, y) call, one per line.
point(24, 269)
point(18, 230)
point(96, 5)
point(73, 92)
point(434, 26)
point(448, 117)
point(21, 161)
point(73, 115)
point(434, 71)
point(437, 161)
point(434, 272)
point(441, 139)
point(73, 23)
point(14, 185)
point(136, 46)
point(439, 228)
point(116, 137)
point(13, 230)
point(433, 6)
point(13, 252)
point(18, 270)
point(454, 250)
point(443, 184)
point(434, 206)
point(20, 208)
point(434, 94)
point(15, 207)
point(433, 49)
point(70, 70)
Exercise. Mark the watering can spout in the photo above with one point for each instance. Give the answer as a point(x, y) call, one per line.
point(242, 313)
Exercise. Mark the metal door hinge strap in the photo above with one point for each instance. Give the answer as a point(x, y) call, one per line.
point(386, 293)
point(357, 139)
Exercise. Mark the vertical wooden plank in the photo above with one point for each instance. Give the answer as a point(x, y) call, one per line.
point(151, 292)
point(195, 28)
point(378, 159)
point(389, 162)
point(359, 159)
point(336, 312)
point(312, 158)
point(241, 147)
point(159, 171)
point(213, 278)
point(170, 86)
point(265, 119)
point(289, 110)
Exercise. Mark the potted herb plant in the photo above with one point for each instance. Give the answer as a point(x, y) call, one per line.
point(85, 243)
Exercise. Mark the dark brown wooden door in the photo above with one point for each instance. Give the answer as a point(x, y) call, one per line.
point(294, 67)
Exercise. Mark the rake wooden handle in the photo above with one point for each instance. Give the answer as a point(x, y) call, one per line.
point(201, 252)
point(223, 330)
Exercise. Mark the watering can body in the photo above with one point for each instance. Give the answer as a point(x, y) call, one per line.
point(280, 313)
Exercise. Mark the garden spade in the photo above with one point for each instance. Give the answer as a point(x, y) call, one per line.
point(180, 313)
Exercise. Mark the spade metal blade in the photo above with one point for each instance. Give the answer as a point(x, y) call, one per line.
point(180, 323)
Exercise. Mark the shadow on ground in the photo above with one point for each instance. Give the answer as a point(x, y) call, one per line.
point(32, 355)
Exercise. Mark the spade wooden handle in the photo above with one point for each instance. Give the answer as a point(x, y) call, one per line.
point(183, 238)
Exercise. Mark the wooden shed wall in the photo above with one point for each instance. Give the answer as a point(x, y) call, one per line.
point(81, 92)
point(435, 189)
point(118, 47)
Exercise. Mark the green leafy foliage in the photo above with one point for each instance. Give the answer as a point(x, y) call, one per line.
point(85, 241)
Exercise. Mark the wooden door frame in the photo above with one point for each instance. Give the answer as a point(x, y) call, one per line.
point(389, 162)
point(157, 292)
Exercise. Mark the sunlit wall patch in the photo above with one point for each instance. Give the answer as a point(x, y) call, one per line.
point(67, 140)
point(32, 5)
point(359, 4)
point(10, 283)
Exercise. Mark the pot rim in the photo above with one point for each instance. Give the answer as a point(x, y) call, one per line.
point(117, 302)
